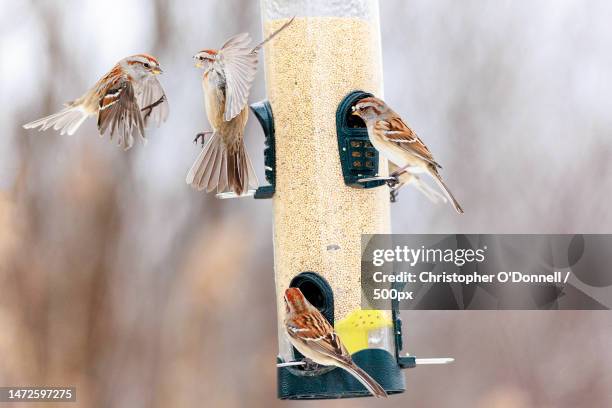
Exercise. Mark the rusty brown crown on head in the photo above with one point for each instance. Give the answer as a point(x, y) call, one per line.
point(296, 300)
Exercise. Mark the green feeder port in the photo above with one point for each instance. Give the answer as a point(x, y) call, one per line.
point(263, 112)
point(358, 157)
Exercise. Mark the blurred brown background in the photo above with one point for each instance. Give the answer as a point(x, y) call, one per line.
point(115, 277)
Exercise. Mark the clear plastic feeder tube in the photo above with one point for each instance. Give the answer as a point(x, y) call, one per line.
point(331, 49)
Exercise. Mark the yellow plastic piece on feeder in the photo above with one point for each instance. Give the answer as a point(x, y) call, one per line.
point(360, 327)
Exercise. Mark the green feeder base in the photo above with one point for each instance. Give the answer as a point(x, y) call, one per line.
point(296, 384)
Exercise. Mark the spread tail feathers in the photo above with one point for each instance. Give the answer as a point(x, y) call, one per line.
point(67, 120)
point(219, 168)
point(450, 196)
point(365, 379)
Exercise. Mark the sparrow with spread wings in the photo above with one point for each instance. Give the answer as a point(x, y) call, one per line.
point(228, 74)
point(124, 101)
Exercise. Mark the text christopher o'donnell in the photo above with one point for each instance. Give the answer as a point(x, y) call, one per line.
point(458, 257)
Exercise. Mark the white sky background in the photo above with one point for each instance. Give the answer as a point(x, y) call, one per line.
point(513, 98)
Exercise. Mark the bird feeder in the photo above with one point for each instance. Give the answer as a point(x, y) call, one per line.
point(316, 156)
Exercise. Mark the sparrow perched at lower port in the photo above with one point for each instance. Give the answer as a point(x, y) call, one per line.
point(228, 75)
point(392, 137)
point(124, 101)
point(405, 178)
point(312, 335)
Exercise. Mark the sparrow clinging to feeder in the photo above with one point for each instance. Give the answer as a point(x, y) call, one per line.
point(228, 75)
point(391, 136)
point(124, 100)
point(312, 335)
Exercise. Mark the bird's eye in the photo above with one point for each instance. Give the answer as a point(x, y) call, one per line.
point(147, 65)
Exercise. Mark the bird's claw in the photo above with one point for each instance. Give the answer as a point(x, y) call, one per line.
point(392, 181)
point(393, 195)
point(309, 365)
point(149, 108)
point(202, 136)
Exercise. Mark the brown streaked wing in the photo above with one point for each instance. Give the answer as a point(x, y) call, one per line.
point(395, 130)
point(240, 67)
point(271, 36)
point(315, 332)
point(119, 113)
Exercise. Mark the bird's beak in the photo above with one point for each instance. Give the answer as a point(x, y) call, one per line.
point(197, 62)
point(354, 111)
point(157, 71)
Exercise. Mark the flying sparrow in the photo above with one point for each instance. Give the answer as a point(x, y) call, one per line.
point(124, 100)
point(312, 335)
point(391, 136)
point(405, 178)
point(228, 75)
